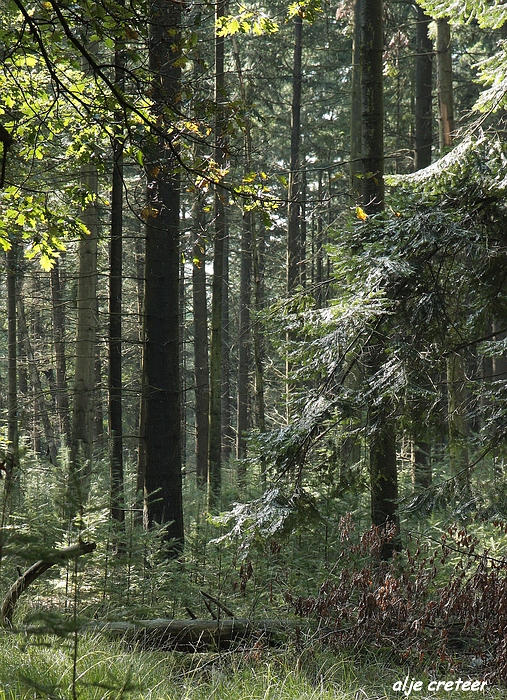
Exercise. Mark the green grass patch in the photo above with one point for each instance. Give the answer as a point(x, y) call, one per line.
point(37, 667)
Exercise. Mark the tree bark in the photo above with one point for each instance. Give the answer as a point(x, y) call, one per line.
point(81, 448)
point(372, 105)
point(62, 390)
point(197, 635)
point(215, 410)
point(115, 320)
point(444, 84)
point(12, 386)
point(201, 363)
point(356, 164)
point(244, 342)
point(457, 400)
point(294, 191)
point(40, 402)
point(162, 419)
point(383, 469)
point(228, 437)
point(423, 92)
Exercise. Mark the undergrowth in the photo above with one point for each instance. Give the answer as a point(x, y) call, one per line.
point(440, 606)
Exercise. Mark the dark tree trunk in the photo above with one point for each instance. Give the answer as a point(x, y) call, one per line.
point(201, 364)
point(227, 412)
point(12, 384)
point(247, 236)
point(423, 92)
point(62, 391)
point(41, 407)
point(294, 190)
point(356, 165)
point(162, 419)
point(421, 450)
point(141, 454)
point(457, 403)
point(372, 105)
point(115, 317)
point(294, 207)
point(215, 411)
point(244, 341)
point(383, 470)
point(81, 448)
point(258, 337)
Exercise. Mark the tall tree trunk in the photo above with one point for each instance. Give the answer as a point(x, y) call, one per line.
point(81, 448)
point(458, 423)
point(201, 364)
point(161, 376)
point(115, 412)
point(215, 411)
point(294, 189)
point(293, 214)
point(372, 105)
point(62, 391)
point(319, 248)
point(258, 337)
point(183, 356)
point(244, 342)
point(423, 92)
point(383, 470)
point(227, 429)
point(40, 401)
point(356, 165)
point(12, 385)
point(444, 83)
point(247, 235)
point(141, 449)
point(421, 448)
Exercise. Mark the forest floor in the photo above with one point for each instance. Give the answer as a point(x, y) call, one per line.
point(98, 669)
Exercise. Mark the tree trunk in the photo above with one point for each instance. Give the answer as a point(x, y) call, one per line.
point(81, 448)
point(199, 635)
point(215, 411)
point(57, 556)
point(294, 190)
point(40, 402)
point(258, 337)
point(201, 364)
point(444, 84)
point(227, 412)
point(383, 470)
point(141, 449)
point(161, 389)
point(62, 391)
point(293, 214)
point(423, 92)
point(12, 387)
point(247, 235)
point(115, 316)
point(372, 105)
point(244, 342)
point(356, 165)
point(458, 424)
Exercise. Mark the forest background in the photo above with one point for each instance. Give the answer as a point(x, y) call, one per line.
point(253, 355)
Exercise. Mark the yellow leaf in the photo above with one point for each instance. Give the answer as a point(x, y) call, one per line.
point(149, 211)
point(361, 214)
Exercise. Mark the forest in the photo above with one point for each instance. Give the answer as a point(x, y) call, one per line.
point(253, 349)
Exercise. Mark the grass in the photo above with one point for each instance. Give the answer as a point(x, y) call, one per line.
point(43, 668)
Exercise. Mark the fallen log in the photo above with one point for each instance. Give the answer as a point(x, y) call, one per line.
point(55, 556)
point(198, 635)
